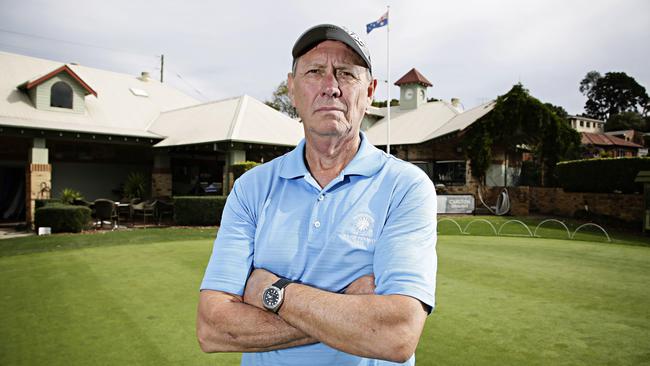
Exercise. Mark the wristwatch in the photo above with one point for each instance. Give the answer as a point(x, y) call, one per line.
point(273, 296)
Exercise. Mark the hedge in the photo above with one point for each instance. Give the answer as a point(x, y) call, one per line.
point(240, 168)
point(602, 175)
point(62, 218)
point(45, 202)
point(198, 211)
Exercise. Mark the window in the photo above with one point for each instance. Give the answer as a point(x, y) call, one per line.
point(449, 172)
point(588, 124)
point(582, 123)
point(61, 95)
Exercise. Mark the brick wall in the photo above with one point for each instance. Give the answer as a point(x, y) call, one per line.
point(38, 185)
point(626, 207)
point(554, 201)
point(161, 184)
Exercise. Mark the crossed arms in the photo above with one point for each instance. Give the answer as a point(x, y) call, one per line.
point(357, 322)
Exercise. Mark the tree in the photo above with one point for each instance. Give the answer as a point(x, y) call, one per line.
point(281, 101)
point(614, 93)
point(558, 110)
point(382, 104)
point(519, 119)
point(626, 121)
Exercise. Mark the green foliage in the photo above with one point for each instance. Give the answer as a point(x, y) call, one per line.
point(135, 185)
point(281, 101)
point(518, 120)
point(602, 175)
point(382, 104)
point(45, 202)
point(198, 211)
point(614, 93)
point(238, 169)
point(68, 196)
point(558, 110)
point(627, 121)
point(62, 218)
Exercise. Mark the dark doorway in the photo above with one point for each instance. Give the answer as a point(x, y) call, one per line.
point(12, 193)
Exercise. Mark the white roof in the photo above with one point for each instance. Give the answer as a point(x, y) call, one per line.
point(427, 122)
point(116, 109)
point(243, 119)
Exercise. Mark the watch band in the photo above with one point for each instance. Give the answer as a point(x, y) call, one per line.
point(282, 283)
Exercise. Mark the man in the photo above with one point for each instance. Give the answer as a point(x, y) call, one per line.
point(326, 255)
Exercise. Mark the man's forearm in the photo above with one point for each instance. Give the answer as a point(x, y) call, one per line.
point(226, 324)
point(375, 326)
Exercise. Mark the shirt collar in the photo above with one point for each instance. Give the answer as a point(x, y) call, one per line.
point(367, 162)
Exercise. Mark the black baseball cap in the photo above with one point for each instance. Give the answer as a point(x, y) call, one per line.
point(315, 35)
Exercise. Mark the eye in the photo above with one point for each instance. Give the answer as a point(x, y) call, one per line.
point(345, 74)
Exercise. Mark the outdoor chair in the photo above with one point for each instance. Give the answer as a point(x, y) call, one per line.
point(105, 211)
point(145, 209)
point(164, 208)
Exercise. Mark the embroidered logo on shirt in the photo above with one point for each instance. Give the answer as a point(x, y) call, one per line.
point(362, 223)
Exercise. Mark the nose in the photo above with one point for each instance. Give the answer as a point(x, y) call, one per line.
point(330, 86)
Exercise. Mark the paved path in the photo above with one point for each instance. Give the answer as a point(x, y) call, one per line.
point(10, 232)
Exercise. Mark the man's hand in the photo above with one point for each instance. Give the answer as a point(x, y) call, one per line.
point(364, 285)
point(259, 280)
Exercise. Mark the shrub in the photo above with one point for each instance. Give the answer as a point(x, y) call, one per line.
point(45, 202)
point(68, 196)
point(602, 175)
point(135, 185)
point(62, 218)
point(198, 211)
point(240, 168)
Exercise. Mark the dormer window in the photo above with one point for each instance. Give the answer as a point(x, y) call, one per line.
point(60, 90)
point(61, 95)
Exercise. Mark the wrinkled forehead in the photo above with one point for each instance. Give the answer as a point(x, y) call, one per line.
point(331, 51)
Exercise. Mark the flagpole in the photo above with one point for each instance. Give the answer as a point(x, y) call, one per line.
point(388, 76)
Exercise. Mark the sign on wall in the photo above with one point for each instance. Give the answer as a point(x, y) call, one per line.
point(455, 203)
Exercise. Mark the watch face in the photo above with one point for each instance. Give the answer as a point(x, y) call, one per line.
point(271, 297)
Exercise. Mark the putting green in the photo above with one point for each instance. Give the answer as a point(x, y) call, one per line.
point(501, 300)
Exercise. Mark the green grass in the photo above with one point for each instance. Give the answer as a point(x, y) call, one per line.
point(129, 298)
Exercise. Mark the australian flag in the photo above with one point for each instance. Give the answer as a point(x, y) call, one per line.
point(379, 23)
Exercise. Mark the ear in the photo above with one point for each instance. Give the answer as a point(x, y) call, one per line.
point(290, 88)
point(372, 87)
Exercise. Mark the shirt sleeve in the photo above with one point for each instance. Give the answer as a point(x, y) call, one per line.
point(405, 260)
point(232, 254)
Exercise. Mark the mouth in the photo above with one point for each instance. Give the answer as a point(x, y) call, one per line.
point(330, 109)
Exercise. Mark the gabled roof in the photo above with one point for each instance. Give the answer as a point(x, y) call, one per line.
point(413, 77)
point(65, 69)
point(601, 139)
point(427, 122)
point(118, 111)
point(240, 119)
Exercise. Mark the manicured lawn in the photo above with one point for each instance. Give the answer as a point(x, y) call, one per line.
point(128, 298)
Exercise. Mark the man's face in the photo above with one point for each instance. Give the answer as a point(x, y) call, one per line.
point(331, 89)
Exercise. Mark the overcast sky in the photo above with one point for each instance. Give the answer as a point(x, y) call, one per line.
point(473, 50)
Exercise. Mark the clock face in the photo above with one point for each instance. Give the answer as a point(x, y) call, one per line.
point(271, 297)
point(408, 94)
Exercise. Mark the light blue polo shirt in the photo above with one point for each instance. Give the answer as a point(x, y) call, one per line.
point(377, 217)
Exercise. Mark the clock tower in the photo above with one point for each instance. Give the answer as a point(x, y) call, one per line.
point(413, 89)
